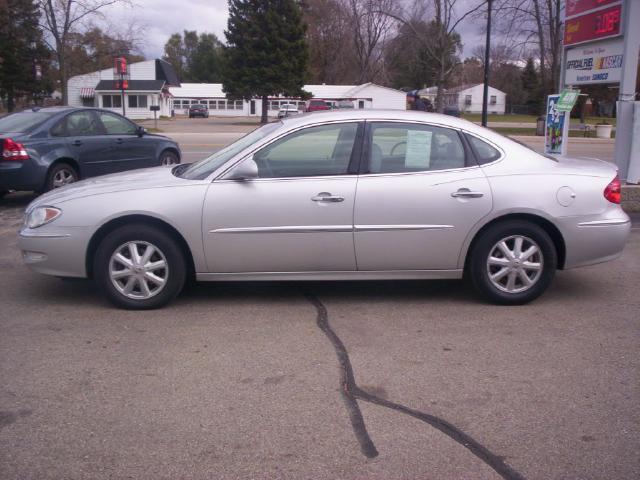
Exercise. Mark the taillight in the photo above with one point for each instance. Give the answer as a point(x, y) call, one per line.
point(12, 150)
point(613, 191)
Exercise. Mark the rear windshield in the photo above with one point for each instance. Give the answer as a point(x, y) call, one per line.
point(22, 121)
point(317, 102)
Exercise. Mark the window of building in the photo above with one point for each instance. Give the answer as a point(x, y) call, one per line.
point(399, 148)
point(137, 101)
point(212, 104)
point(314, 151)
point(111, 101)
point(467, 100)
point(238, 104)
point(195, 102)
point(222, 104)
point(493, 100)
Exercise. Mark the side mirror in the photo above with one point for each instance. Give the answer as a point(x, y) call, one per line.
point(246, 170)
point(141, 131)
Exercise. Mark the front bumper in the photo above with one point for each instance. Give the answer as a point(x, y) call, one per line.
point(55, 251)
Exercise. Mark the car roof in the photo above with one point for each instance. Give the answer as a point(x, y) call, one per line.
point(393, 115)
point(379, 115)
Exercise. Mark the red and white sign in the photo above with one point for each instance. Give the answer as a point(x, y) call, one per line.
point(575, 7)
point(593, 26)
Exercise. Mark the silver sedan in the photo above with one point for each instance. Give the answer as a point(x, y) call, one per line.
point(350, 195)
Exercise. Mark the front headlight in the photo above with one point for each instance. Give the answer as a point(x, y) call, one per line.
point(41, 216)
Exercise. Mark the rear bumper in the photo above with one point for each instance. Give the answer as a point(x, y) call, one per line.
point(595, 240)
point(55, 252)
point(21, 175)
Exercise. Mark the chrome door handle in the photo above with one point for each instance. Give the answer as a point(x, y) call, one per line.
point(327, 197)
point(466, 193)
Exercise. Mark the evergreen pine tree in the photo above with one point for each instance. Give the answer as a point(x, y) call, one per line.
point(266, 52)
point(532, 87)
point(22, 50)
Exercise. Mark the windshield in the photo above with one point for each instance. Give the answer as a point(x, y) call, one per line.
point(204, 168)
point(22, 121)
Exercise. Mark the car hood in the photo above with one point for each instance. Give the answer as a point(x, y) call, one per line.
point(587, 166)
point(141, 179)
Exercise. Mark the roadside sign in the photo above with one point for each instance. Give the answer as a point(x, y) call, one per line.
point(576, 7)
point(556, 132)
point(593, 26)
point(597, 62)
point(567, 100)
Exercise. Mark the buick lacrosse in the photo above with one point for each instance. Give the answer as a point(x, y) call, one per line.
point(348, 195)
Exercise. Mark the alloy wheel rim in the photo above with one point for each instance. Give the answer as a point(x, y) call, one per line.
point(514, 264)
point(63, 177)
point(138, 270)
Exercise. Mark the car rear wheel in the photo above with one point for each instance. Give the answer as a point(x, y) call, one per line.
point(61, 174)
point(139, 267)
point(169, 158)
point(513, 263)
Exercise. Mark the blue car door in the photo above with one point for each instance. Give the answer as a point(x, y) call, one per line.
point(130, 149)
point(85, 141)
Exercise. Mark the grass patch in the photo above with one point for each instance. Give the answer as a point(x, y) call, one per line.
point(517, 118)
point(531, 132)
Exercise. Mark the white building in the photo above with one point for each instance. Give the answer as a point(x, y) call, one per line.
point(154, 82)
point(148, 85)
point(367, 95)
point(468, 98)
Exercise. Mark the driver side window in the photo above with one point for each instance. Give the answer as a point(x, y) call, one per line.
point(314, 151)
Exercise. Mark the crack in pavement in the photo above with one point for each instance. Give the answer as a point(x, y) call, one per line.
point(351, 393)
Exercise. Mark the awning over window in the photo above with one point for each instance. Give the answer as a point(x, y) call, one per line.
point(87, 92)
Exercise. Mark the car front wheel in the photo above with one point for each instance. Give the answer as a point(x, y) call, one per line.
point(139, 267)
point(513, 263)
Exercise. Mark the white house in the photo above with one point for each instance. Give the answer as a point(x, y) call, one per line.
point(148, 85)
point(368, 95)
point(468, 98)
point(154, 82)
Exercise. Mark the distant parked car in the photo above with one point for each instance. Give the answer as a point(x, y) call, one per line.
point(344, 104)
point(316, 105)
point(288, 110)
point(452, 110)
point(46, 148)
point(198, 111)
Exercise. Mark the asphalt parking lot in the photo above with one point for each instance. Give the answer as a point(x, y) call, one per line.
point(341, 380)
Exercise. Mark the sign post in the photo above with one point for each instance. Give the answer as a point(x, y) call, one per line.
point(601, 46)
point(556, 131)
point(154, 109)
point(121, 77)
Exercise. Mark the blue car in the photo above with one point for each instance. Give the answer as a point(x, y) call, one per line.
point(46, 148)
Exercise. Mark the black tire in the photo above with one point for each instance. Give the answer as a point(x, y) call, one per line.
point(174, 275)
point(169, 157)
point(497, 291)
point(58, 171)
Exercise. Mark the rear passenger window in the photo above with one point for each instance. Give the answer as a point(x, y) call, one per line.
point(399, 147)
point(485, 153)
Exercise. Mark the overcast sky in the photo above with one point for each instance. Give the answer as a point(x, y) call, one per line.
point(161, 18)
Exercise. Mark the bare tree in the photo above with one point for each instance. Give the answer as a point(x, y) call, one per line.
point(329, 36)
point(371, 25)
point(441, 42)
point(61, 18)
point(535, 23)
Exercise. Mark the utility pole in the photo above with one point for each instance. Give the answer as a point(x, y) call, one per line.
point(487, 49)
